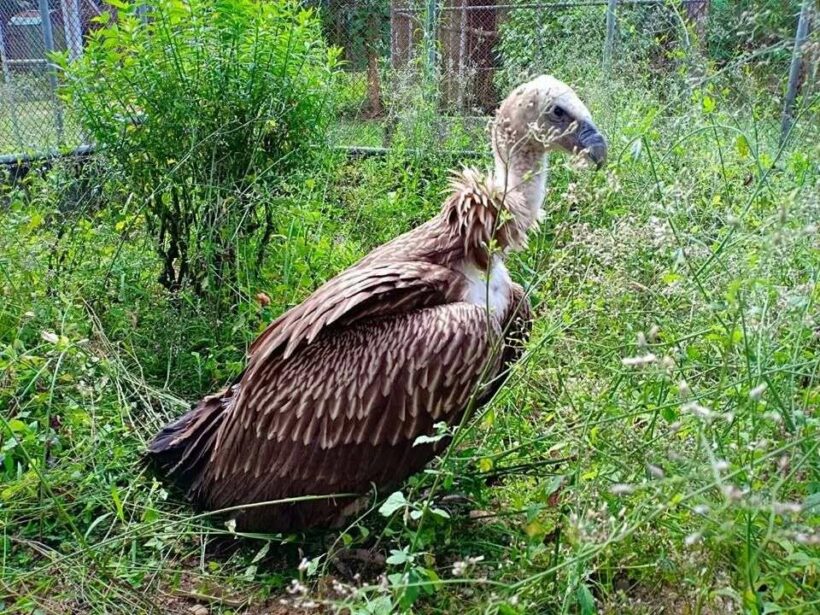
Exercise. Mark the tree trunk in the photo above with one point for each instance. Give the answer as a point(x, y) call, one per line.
point(483, 28)
point(698, 15)
point(402, 37)
point(374, 87)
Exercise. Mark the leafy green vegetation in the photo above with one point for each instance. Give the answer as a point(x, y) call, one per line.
point(198, 106)
point(656, 450)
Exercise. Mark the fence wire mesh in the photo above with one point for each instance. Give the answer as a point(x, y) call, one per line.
point(32, 118)
point(453, 59)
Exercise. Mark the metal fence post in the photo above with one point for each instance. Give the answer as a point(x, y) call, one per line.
point(800, 38)
point(73, 27)
point(48, 40)
point(609, 43)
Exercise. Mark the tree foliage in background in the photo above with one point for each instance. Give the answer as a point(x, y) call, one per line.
point(196, 102)
point(533, 41)
point(651, 40)
point(743, 26)
point(362, 29)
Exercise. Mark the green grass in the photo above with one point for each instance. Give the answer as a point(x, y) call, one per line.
point(655, 451)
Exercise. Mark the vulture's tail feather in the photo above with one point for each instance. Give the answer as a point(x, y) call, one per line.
point(182, 449)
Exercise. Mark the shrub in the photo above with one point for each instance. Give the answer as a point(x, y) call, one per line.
point(197, 102)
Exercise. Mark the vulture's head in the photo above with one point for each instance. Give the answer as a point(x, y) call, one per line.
point(545, 115)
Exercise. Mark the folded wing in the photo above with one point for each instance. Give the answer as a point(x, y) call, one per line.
point(342, 413)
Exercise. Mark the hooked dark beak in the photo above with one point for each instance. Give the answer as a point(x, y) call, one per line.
point(592, 143)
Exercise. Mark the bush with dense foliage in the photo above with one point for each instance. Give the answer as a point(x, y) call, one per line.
point(197, 102)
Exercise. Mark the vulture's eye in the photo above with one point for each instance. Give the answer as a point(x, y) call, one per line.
point(558, 113)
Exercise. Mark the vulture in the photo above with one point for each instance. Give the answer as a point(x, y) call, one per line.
point(337, 391)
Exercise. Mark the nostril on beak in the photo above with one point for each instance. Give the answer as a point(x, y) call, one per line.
point(592, 142)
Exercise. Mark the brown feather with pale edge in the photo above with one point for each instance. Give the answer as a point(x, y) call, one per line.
point(338, 388)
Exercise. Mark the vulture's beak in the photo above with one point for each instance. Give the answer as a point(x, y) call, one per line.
point(592, 143)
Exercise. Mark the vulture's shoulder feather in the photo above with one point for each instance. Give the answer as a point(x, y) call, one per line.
point(355, 294)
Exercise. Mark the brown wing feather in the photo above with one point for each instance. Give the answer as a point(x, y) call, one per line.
point(358, 292)
point(342, 413)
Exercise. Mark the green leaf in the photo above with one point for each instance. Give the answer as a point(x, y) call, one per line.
point(554, 484)
point(17, 426)
point(708, 104)
point(397, 557)
point(261, 553)
point(95, 523)
point(586, 601)
point(742, 146)
point(382, 605)
point(392, 504)
point(115, 496)
point(812, 502)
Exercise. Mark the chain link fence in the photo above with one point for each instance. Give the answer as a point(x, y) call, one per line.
point(452, 58)
point(32, 118)
point(475, 50)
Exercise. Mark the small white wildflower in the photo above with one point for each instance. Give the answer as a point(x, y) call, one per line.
point(698, 410)
point(231, 525)
point(621, 489)
point(655, 471)
point(732, 492)
point(786, 508)
point(50, 337)
point(640, 361)
point(732, 220)
point(683, 389)
point(668, 363)
point(460, 567)
point(654, 333)
point(640, 342)
point(691, 539)
point(701, 509)
point(805, 538)
point(720, 465)
point(303, 565)
point(296, 587)
point(756, 393)
point(774, 417)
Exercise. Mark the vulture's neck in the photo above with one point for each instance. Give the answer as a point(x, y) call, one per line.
point(493, 214)
point(522, 173)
